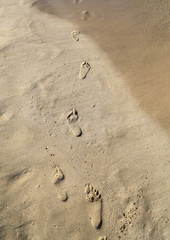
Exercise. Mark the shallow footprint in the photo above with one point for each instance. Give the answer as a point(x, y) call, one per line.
point(57, 177)
point(93, 196)
point(77, 1)
point(85, 15)
point(84, 69)
point(72, 118)
point(74, 35)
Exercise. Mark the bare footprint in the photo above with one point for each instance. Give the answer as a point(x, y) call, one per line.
point(6, 113)
point(77, 1)
point(84, 69)
point(72, 118)
point(62, 195)
point(74, 35)
point(57, 177)
point(102, 238)
point(85, 15)
point(93, 196)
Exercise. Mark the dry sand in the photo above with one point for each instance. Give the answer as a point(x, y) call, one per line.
point(110, 180)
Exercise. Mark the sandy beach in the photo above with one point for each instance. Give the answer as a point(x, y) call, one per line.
point(84, 120)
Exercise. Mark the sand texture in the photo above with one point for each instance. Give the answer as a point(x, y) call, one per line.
point(80, 157)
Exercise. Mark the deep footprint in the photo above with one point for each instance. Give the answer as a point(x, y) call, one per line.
point(84, 69)
point(57, 177)
point(72, 118)
point(93, 196)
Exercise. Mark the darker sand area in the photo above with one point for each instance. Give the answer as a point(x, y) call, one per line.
point(135, 35)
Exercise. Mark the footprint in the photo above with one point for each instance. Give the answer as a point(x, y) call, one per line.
point(72, 118)
point(62, 195)
point(57, 177)
point(85, 15)
point(93, 196)
point(5, 113)
point(22, 231)
point(84, 69)
point(74, 35)
point(102, 238)
point(77, 1)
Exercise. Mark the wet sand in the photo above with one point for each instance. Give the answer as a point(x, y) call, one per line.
point(84, 145)
point(135, 35)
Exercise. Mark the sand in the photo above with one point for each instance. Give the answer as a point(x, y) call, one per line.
point(109, 182)
point(135, 36)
